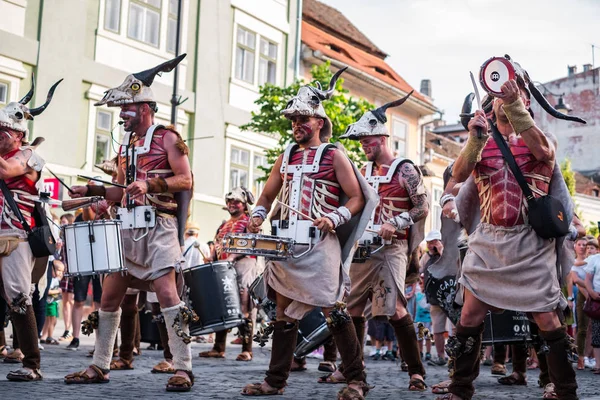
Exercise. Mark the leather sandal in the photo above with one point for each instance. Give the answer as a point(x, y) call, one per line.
point(84, 378)
point(24, 375)
point(498, 369)
point(178, 383)
point(327, 366)
point(121, 364)
point(330, 378)
point(163, 367)
point(349, 393)
point(15, 357)
point(417, 385)
point(448, 396)
point(212, 354)
point(244, 356)
point(441, 388)
point(256, 389)
point(511, 379)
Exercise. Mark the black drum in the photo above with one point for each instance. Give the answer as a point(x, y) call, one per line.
point(148, 329)
point(212, 292)
point(312, 333)
point(508, 327)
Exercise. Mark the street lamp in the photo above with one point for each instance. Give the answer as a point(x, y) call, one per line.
point(561, 106)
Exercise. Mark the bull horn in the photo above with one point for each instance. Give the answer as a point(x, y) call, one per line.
point(147, 76)
point(29, 94)
point(465, 114)
point(40, 109)
point(379, 113)
point(326, 94)
point(548, 108)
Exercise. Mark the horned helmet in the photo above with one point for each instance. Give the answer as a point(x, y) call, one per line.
point(308, 102)
point(136, 87)
point(372, 123)
point(524, 80)
point(16, 114)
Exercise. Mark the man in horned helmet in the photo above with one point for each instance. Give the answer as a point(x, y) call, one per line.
point(20, 172)
point(237, 202)
point(396, 225)
point(316, 180)
point(505, 252)
point(154, 165)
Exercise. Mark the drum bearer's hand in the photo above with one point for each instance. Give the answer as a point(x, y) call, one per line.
point(324, 224)
point(78, 191)
point(255, 224)
point(387, 231)
point(138, 188)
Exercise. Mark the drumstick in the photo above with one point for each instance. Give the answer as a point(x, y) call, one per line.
point(299, 212)
point(102, 181)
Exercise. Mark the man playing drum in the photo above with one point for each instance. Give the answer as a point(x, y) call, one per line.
point(398, 220)
point(508, 265)
point(20, 169)
point(153, 164)
point(237, 202)
point(314, 178)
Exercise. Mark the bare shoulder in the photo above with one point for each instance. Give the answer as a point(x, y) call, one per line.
point(173, 140)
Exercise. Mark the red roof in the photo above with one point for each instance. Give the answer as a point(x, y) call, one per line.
point(342, 51)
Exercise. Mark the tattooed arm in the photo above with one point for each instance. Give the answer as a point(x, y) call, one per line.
point(16, 165)
point(413, 182)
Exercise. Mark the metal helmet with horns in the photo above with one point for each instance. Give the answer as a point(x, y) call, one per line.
point(136, 87)
point(372, 123)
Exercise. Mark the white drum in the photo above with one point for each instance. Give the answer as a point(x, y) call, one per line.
point(93, 248)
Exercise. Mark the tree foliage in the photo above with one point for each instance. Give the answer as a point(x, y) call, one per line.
point(342, 109)
point(568, 175)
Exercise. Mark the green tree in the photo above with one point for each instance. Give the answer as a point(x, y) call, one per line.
point(342, 109)
point(593, 229)
point(568, 175)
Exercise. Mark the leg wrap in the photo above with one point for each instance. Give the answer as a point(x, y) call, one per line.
point(220, 341)
point(359, 327)
point(407, 342)
point(559, 367)
point(499, 353)
point(246, 333)
point(26, 330)
point(465, 348)
point(177, 328)
point(345, 338)
point(519, 358)
point(285, 335)
point(128, 323)
point(2, 337)
point(330, 351)
point(164, 338)
point(108, 324)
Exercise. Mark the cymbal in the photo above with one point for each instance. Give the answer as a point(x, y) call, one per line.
point(43, 199)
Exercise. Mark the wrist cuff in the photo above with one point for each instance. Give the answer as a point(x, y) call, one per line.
point(260, 212)
point(157, 185)
point(95, 190)
point(519, 117)
point(402, 221)
point(339, 216)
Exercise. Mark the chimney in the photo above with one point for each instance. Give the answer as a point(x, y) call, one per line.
point(426, 87)
point(572, 70)
point(587, 67)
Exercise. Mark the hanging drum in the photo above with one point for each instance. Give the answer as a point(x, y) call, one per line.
point(494, 72)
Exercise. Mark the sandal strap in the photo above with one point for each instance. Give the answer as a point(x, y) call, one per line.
point(190, 375)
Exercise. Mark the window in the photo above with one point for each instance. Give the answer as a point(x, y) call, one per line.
point(259, 160)
point(436, 221)
point(172, 26)
point(240, 167)
point(112, 15)
point(244, 55)
point(267, 64)
point(595, 192)
point(399, 138)
point(3, 92)
point(103, 129)
point(144, 21)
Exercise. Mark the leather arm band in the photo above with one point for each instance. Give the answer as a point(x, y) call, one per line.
point(95, 190)
point(157, 185)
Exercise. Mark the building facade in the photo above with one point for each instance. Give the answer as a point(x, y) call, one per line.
point(233, 47)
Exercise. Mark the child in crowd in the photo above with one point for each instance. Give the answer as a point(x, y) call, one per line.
point(54, 292)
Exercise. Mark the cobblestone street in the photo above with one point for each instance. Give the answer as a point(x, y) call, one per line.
point(223, 379)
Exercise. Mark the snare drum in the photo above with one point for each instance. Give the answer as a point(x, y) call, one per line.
point(93, 248)
point(213, 293)
point(272, 247)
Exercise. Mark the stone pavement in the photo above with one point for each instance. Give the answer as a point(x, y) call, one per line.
point(223, 379)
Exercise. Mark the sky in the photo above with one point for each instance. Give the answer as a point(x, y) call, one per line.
point(443, 40)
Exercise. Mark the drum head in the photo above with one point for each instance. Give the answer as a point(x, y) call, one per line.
point(494, 72)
